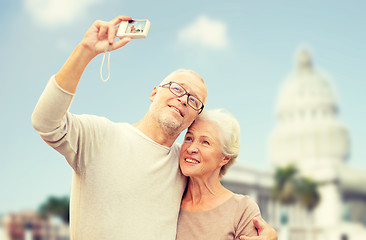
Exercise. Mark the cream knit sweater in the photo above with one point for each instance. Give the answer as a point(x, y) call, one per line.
point(124, 186)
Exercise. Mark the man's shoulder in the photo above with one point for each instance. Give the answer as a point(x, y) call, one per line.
point(99, 122)
point(97, 118)
point(176, 148)
point(177, 145)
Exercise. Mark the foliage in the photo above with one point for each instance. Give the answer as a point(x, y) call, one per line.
point(290, 187)
point(58, 206)
point(284, 185)
point(307, 191)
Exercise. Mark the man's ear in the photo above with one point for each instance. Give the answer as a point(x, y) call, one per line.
point(153, 93)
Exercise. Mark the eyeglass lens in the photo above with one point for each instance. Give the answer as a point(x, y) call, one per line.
point(180, 91)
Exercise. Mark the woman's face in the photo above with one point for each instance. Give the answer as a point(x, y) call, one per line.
point(201, 153)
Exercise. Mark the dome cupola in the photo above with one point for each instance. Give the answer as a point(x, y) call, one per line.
point(307, 129)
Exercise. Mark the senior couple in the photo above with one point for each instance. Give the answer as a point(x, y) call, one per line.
point(132, 181)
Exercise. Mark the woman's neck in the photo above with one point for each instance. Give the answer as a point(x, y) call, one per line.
point(204, 195)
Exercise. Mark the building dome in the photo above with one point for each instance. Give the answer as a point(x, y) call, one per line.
point(305, 88)
point(307, 130)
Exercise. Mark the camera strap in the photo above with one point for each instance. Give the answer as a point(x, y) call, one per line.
point(109, 66)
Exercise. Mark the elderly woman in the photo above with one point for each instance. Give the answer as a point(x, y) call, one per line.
point(209, 210)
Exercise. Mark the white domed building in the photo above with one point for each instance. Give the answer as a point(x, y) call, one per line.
point(308, 132)
point(309, 135)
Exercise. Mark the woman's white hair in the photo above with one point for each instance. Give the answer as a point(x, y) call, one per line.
point(229, 130)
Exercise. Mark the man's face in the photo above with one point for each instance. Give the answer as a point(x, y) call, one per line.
point(172, 112)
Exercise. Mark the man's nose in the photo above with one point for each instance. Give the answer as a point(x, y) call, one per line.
point(183, 99)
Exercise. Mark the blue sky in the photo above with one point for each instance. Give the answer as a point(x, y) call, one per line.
point(243, 49)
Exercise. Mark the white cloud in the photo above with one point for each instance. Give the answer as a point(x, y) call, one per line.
point(51, 13)
point(205, 32)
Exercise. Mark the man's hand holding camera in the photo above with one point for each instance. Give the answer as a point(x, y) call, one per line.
point(101, 37)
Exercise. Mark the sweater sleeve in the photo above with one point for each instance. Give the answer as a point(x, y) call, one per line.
point(246, 226)
point(55, 124)
point(51, 107)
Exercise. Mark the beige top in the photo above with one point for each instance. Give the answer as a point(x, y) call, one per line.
point(122, 180)
point(230, 220)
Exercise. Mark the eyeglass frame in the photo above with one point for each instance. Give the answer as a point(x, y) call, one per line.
point(185, 93)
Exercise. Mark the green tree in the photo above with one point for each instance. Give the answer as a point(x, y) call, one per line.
point(290, 188)
point(58, 206)
point(284, 189)
point(307, 191)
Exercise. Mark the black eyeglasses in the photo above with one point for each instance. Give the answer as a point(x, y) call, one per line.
point(179, 91)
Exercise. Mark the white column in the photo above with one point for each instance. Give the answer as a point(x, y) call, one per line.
point(328, 212)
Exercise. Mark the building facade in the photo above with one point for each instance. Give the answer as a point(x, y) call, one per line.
point(309, 135)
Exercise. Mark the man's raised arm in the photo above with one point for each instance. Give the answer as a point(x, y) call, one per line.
point(98, 39)
point(49, 117)
point(53, 104)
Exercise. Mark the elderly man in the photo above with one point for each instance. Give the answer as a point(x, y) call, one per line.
point(126, 179)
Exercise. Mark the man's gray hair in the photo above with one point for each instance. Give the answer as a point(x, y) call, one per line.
point(166, 79)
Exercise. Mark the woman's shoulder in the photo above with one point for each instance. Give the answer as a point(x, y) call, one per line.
point(245, 202)
point(247, 210)
point(240, 198)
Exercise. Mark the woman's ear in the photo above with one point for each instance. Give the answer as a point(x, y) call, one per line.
point(153, 93)
point(224, 161)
